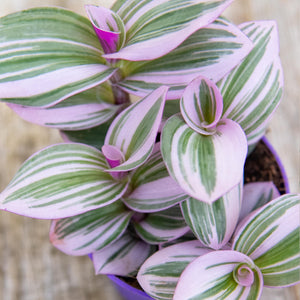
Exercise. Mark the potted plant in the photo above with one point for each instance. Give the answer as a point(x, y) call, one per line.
point(153, 187)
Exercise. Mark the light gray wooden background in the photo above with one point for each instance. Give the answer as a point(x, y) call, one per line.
point(30, 268)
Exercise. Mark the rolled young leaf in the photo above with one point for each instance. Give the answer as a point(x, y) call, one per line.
point(108, 27)
point(134, 130)
point(206, 167)
point(162, 226)
point(47, 55)
point(124, 257)
point(154, 28)
point(201, 105)
point(213, 224)
point(256, 194)
point(91, 231)
point(159, 274)
point(82, 111)
point(61, 181)
point(222, 274)
point(270, 236)
point(253, 90)
point(212, 52)
point(152, 187)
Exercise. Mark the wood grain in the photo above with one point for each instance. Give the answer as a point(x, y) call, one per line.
point(30, 268)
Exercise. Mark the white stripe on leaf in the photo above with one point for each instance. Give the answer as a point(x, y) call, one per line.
point(270, 236)
point(213, 224)
point(159, 274)
point(206, 167)
point(220, 275)
point(134, 130)
point(61, 181)
point(149, 38)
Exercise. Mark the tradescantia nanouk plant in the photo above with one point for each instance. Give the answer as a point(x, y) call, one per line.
point(153, 187)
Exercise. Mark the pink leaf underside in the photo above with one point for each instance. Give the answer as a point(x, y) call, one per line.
point(129, 122)
point(202, 105)
point(123, 258)
point(204, 275)
point(105, 26)
point(257, 194)
point(158, 46)
point(66, 118)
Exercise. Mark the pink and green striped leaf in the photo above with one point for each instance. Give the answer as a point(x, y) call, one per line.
point(257, 194)
point(134, 130)
point(271, 237)
point(222, 274)
point(213, 224)
point(159, 275)
point(91, 231)
point(154, 28)
point(212, 52)
point(162, 226)
point(253, 90)
point(82, 111)
point(124, 257)
point(61, 181)
point(206, 167)
point(152, 187)
point(48, 55)
point(108, 27)
point(201, 105)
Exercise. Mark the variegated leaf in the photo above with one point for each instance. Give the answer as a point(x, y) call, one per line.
point(93, 136)
point(253, 90)
point(152, 187)
point(206, 167)
point(134, 130)
point(271, 237)
point(201, 105)
point(213, 224)
point(108, 27)
point(91, 231)
point(211, 51)
point(256, 194)
point(154, 28)
point(61, 181)
point(84, 110)
point(222, 274)
point(159, 275)
point(124, 257)
point(47, 55)
point(162, 226)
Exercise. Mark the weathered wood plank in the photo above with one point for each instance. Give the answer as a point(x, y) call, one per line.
point(31, 269)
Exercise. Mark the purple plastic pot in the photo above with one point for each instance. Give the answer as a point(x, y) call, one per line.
point(130, 293)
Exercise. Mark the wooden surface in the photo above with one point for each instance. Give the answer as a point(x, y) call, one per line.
point(30, 268)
